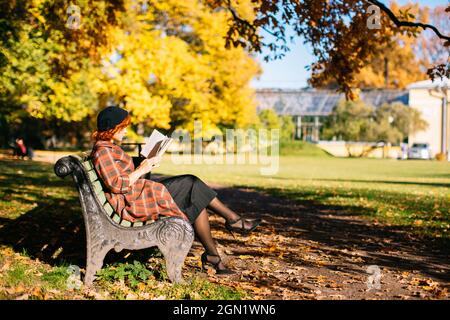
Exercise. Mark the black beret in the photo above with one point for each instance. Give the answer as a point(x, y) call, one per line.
point(110, 117)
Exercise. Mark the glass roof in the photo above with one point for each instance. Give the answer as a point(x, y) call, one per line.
point(312, 102)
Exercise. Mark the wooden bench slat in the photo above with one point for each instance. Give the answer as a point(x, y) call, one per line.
point(116, 218)
point(125, 223)
point(102, 198)
point(92, 175)
point(108, 208)
point(88, 165)
point(98, 188)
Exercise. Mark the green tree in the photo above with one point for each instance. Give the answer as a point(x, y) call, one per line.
point(356, 121)
point(350, 121)
point(287, 128)
point(395, 122)
point(269, 119)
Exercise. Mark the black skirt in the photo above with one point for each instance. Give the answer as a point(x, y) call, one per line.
point(190, 193)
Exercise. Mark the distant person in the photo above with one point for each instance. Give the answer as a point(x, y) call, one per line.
point(21, 150)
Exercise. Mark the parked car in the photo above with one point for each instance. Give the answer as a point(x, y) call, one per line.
point(420, 151)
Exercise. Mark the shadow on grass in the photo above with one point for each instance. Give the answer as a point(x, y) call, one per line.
point(55, 234)
point(410, 183)
point(53, 231)
point(334, 229)
point(408, 206)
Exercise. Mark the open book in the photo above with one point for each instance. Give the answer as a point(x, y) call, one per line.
point(155, 145)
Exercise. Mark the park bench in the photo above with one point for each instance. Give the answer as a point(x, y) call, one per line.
point(105, 230)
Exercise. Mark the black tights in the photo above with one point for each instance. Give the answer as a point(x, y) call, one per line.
point(202, 227)
point(203, 230)
point(222, 210)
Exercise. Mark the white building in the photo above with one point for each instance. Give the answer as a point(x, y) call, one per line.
point(431, 100)
point(308, 107)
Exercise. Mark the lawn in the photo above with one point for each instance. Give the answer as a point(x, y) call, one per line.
point(42, 234)
point(409, 193)
point(41, 228)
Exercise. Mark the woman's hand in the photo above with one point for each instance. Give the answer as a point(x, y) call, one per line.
point(148, 164)
point(145, 167)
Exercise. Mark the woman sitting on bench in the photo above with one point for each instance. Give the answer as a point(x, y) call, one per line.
point(135, 199)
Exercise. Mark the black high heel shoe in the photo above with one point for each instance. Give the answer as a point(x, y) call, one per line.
point(242, 228)
point(215, 265)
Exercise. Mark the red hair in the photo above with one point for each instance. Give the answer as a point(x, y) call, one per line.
point(109, 134)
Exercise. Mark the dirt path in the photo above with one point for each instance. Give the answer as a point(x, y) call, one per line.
point(306, 251)
point(309, 251)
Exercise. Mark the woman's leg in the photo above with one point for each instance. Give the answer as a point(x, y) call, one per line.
point(221, 209)
point(203, 232)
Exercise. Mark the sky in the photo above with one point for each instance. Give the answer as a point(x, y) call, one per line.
point(290, 72)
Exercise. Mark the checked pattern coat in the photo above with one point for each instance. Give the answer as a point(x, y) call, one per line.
point(144, 200)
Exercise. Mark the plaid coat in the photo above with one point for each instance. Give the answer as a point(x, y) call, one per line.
point(141, 201)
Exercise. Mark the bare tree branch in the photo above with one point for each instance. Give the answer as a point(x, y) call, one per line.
point(399, 23)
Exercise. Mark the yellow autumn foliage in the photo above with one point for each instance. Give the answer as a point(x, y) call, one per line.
point(170, 73)
point(166, 62)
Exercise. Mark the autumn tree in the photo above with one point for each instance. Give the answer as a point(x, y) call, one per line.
point(429, 48)
point(169, 56)
point(394, 64)
point(166, 61)
point(343, 34)
point(173, 68)
point(47, 70)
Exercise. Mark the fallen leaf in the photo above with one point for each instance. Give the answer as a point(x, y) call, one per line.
point(141, 286)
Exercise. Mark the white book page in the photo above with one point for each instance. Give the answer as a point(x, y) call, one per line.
point(164, 146)
point(156, 138)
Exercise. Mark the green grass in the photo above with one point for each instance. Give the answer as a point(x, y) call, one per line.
point(150, 279)
point(23, 274)
point(301, 148)
point(26, 273)
point(17, 274)
point(40, 214)
point(133, 273)
point(57, 277)
point(414, 194)
point(40, 236)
